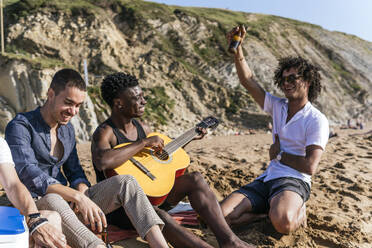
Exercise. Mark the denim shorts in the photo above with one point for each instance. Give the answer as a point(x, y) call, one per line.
point(260, 193)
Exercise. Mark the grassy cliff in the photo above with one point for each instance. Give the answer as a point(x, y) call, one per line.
point(180, 54)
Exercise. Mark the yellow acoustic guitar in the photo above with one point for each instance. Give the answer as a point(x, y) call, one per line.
point(156, 172)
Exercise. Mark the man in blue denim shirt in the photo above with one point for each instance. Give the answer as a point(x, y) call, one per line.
point(30, 141)
point(42, 141)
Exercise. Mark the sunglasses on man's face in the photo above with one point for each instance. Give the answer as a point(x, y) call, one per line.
point(289, 79)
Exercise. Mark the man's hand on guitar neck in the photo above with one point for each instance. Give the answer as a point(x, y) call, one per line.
point(202, 132)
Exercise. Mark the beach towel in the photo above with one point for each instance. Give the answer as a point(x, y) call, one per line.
point(183, 214)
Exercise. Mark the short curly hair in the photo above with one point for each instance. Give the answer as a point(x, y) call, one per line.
point(114, 84)
point(306, 71)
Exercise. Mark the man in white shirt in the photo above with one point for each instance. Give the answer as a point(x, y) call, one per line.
point(43, 233)
point(300, 133)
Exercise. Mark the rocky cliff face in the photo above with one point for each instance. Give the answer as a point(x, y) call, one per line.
point(179, 55)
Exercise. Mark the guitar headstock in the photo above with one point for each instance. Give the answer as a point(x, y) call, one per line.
point(209, 122)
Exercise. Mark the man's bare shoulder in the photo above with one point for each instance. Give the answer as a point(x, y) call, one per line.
point(104, 133)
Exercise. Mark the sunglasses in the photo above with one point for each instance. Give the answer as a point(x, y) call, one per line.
point(289, 79)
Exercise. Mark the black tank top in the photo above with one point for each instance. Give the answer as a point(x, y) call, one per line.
point(120, 138)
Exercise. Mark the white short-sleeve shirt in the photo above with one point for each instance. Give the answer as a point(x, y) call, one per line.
point(5, 154)
point(307, 127)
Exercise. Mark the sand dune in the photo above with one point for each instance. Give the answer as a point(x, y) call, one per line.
point(340, 207)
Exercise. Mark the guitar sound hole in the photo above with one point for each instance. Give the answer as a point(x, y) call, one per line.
point(162, 155)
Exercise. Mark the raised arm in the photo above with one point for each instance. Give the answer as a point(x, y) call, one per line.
point(244, 72)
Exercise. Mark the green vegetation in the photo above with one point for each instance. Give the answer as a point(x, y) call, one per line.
point(226, 18)
point(349, 85)
point(159, 106)
point(178, 85)
point(213, 48)
point(238, 98)
point(15, 10)
point(94, 93)
point(340, 70)
point(144, 10)
point(194, 70)
point(170, 44)
point(9, 2)
point(356, 87)
point(36, 62)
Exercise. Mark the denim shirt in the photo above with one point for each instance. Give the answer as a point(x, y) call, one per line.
point(28, 136)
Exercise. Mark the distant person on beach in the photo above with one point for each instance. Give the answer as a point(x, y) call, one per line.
point(359, 123)
point(349, 125)
point(125, 97)
point(44, 226)
point(42, 142)
point(300, 133)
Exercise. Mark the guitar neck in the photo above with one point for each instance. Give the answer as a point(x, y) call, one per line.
point(181, 141)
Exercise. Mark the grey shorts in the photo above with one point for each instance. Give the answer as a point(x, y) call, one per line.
point(260, 193)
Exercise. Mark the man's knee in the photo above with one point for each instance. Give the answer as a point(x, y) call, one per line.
point(52, 216)
point(163, 215)
point(126, 180)
point(195, 179)
point(283, 222)
point(230, 214)
point(52, 197)
point(51, 202)
point(127, 184)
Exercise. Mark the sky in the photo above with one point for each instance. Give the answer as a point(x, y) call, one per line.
point(348, 16)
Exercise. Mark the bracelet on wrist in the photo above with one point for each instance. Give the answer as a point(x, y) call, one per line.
point(38, 223)
point(32, 216)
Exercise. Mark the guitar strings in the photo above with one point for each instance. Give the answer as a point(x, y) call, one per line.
point(175, 144)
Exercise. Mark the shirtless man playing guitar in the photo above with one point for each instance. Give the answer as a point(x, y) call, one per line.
point(125, 97)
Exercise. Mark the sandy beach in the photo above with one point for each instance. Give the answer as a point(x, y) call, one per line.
point(340, 207)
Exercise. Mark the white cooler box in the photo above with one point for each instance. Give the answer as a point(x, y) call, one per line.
point(13, 229)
